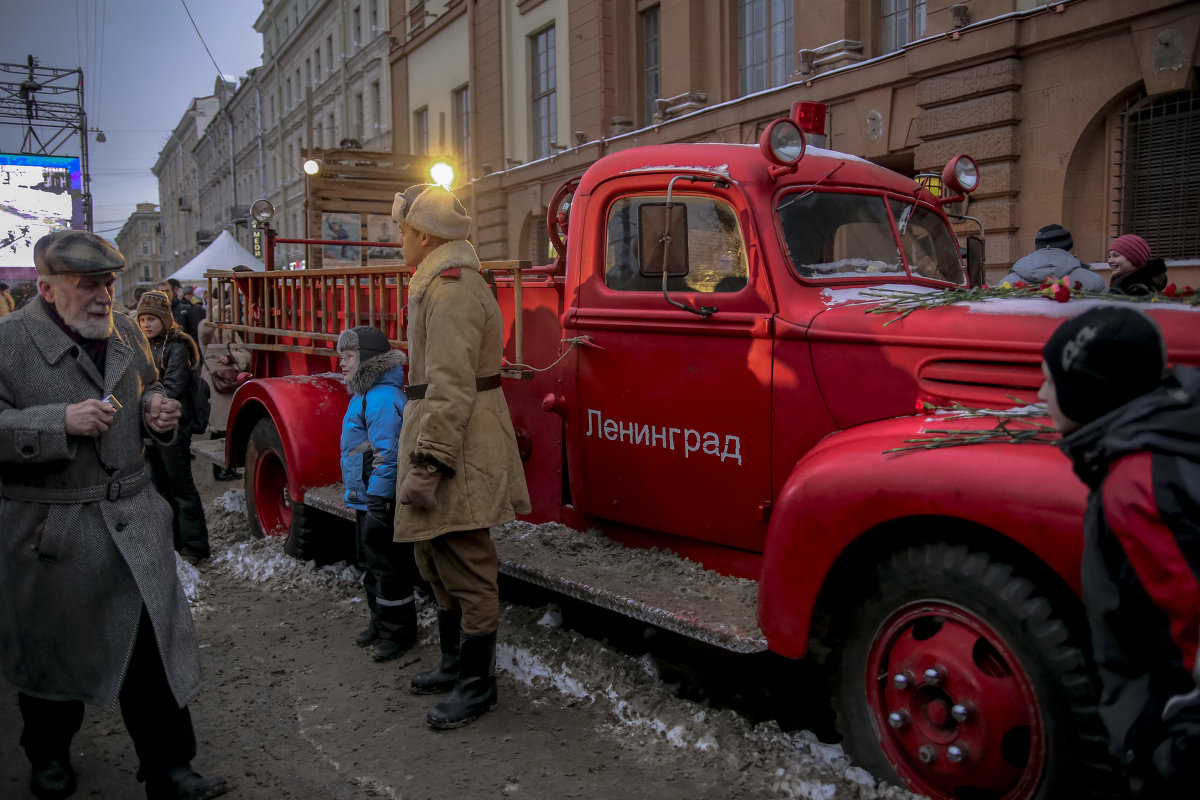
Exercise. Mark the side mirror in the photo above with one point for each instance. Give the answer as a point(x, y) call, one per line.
point(659, 226)
point(975, 261)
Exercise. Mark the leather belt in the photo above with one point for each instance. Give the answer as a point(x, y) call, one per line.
point(126, 486)
point(481, 385)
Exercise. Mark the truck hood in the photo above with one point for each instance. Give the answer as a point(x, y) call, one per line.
point(986, 353)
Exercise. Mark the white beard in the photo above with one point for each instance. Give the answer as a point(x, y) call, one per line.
point(90, 328)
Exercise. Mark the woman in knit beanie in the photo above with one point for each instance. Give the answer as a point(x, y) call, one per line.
point(1133, 270)
point(176, 356)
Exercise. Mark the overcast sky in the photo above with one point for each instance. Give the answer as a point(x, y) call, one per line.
point(143, 63)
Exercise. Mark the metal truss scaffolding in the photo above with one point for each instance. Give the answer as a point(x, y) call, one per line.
point(47, 102)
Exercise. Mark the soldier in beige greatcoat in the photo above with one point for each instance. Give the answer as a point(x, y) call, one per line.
point(459, 469)
point(91, 609)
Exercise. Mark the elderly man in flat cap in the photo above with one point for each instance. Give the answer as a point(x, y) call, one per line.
point(91, 609)
point(459, 469)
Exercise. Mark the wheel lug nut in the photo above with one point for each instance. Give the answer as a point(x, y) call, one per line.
point(935, 675)
point(898, 719)
point(956, 753)
point(927, 754)
point(960, 711)
point(902, 680)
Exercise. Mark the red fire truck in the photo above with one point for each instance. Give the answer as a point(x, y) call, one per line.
point(703, 369)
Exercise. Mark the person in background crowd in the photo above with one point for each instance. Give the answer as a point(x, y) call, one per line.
point(175, 355)
point(194, 312)
point(461, 472)
point(6, 300)
point(1131, 428)
point(375, 379)
point(93, 609)
point(221, 349)
point(131, 311)
point(1134, 272)
point(173, 289)
point(1052, 259)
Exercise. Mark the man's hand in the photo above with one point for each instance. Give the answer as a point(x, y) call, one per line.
point(89, 418)
point(162, 413)
point(418, 488)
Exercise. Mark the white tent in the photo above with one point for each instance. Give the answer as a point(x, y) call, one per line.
point(223, 253)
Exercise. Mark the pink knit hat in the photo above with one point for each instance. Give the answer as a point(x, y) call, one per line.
point(1132, 247)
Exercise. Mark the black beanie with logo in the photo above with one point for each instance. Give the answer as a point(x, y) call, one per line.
point(1104, 358)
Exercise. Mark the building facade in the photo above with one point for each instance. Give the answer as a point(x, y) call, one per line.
point(1080, 112)
point(141, 242)
point(325, 82)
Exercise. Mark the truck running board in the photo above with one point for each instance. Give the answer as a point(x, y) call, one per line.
point(652, 586)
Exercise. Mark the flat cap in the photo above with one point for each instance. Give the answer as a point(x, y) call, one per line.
point(71, 252)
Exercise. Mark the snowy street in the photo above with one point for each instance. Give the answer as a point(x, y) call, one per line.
point(292, 709)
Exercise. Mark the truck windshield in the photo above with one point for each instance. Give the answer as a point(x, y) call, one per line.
point(838, 235)
point(928, 245)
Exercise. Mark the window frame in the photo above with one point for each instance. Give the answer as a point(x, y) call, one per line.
point(543, 101)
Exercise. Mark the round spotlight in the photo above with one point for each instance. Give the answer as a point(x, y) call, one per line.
point(312, 166)
point(961, 175)
point(262, 210)
point(782, 142)
point(442, 174)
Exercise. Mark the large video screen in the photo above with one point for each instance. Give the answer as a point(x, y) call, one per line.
point(38, 194)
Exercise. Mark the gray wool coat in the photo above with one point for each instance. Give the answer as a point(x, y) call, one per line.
point(85, 541)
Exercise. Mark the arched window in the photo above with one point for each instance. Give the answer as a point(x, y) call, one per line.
point(1158, 161)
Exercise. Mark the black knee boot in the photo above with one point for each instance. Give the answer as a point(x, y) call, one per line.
point(443, 677)
point(370, 634)
point(475, 692)
point(396, 622)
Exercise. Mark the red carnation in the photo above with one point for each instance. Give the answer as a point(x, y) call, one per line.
point(1169, 290)
point(1062, 293)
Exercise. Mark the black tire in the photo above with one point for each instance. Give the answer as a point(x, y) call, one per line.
point(269, 505)
point(1012, 689)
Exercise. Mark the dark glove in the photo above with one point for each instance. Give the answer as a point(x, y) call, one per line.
point(418, 488)
point(380, 510)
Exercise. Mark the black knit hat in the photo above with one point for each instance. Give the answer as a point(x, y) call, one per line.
point(368, 341)
point(1054, 236)
point(1102, 359)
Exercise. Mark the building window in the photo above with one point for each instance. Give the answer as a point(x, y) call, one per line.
point(144, 227)
point(374, 16)
point(317, 61)
point(420, 135)
point(901, 22)
point(319, 135)
point(308, 74)
point(291, 97)
point(764, 43)
point(145, 248)
point(356, 27)
point(1160, 146)
point(542, 86)
point(299, 88)
point(331, 124)
point(650, 61)
point(329, 53)
point(462, 124)
point(376, 106)
point(145, 271)
point(358, 116)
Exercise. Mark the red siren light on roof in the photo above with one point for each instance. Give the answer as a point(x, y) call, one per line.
point(810, 117)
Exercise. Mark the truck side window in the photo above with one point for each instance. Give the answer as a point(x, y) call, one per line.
point(928, 246)
point(834, 235)
point(716, 250)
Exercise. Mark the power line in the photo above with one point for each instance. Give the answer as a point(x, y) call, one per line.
point(220, 74)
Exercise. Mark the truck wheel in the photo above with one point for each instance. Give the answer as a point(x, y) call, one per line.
point(958, 680)
point(269, 505)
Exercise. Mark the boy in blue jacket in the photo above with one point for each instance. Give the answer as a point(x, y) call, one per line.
point(375, 378)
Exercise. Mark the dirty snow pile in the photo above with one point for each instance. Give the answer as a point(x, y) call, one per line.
point(626, 693)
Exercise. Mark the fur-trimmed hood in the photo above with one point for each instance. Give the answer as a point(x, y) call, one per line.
point(387, 368)
point(458, 253)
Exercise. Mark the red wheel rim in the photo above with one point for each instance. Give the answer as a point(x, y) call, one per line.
point(272, 505)
point(971, 726)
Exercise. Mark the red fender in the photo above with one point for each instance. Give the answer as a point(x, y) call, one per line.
point(307, 411)
point(846, 486)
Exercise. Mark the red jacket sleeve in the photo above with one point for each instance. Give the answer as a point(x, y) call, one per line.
point(1153, 550)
